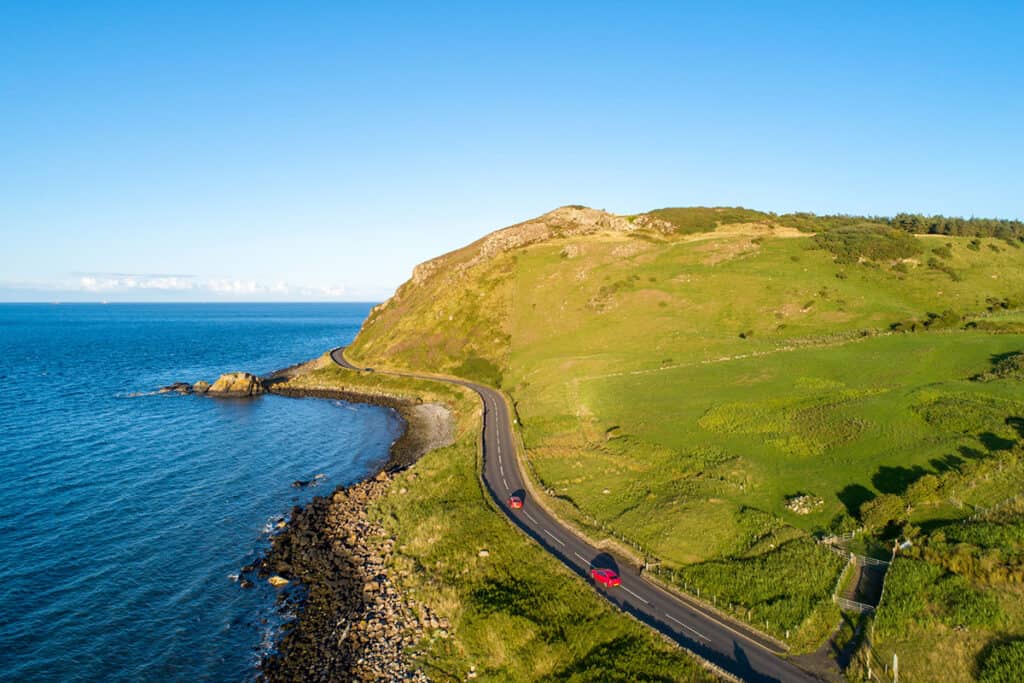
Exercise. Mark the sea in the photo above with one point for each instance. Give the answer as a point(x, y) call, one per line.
point(125, 515)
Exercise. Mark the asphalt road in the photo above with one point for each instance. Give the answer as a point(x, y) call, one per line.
point(732, 647)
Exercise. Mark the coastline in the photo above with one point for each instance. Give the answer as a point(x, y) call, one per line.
point(351, 622)
point(419, 428)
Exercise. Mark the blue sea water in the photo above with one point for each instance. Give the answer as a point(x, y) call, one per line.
point(123, 518)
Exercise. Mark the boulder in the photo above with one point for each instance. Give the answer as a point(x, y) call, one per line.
point(180, 387)
point(200, 387)
point(277, 581)
point(237, 384)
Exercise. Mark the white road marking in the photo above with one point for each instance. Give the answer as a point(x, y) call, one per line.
point(505, 482)
point(531, 517)
point(635, 595)
point(502, 468)
point(581, 557)
point(698, 633)
point(557, 539)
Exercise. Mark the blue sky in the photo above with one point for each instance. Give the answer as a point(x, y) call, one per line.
point(294, 151)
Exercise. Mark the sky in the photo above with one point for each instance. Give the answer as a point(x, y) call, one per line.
point(318, 151)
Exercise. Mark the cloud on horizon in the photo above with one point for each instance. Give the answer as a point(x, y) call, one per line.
point(164, 285)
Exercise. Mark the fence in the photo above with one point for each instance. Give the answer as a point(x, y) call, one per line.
point(981, 513)
point(852, 605)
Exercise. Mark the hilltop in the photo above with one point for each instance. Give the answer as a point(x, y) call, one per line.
point(682, 376)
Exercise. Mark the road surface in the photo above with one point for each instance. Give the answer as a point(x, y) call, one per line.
point(740, 651)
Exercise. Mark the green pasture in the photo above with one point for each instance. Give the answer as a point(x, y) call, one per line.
point(676, 388)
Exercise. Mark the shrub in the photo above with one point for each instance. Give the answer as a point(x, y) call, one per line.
point(872, 242)
point(918, 593)
point(782, 586)
point(705, 219)
point(1007, 367)
point(1003, 663)
point(878, 512)
point(480, 370)
point(936, 264)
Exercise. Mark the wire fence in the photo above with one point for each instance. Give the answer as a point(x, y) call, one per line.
point(982, 513)
point(853, 606)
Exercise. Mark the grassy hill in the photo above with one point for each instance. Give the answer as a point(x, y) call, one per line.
point(682, 375)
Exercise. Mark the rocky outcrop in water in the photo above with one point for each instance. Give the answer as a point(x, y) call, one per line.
point(237, 384)
point(177, 387)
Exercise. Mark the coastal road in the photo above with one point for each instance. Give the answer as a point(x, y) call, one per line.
point(740, 651)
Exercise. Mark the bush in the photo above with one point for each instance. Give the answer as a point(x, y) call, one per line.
point(1003, 663)
point(878, 512)
point(918, 593)
point(936, 264)
point(1008, 367)
point(480, 370)
point(783, 586)
point(705, 219)
point(868, 241)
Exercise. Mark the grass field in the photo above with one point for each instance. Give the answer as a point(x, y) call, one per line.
point(516, 614)
point(677, 388)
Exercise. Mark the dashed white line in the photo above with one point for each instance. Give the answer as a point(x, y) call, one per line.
point(581, 557)
point(695, 631)
point(635, 595)
point(505, 482)
point(531, 517)
point(557, 539)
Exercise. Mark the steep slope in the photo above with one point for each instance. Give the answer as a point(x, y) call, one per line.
point(454, 314)
point(681, 376)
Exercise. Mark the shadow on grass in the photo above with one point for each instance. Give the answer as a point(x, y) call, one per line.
point(1017, 424)
point(853, 496)
point(615, 660)
point(896, 479)
point(994, 442)
point(947, 462)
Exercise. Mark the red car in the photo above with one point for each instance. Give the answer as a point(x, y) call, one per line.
point(515, 502)
point(606, 577)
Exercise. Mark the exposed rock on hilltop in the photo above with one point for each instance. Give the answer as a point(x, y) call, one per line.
point(237, 384)
point(567, 221)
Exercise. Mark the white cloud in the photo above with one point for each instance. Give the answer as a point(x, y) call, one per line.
point(234, 287)
point(109, 283)
point(216, 287)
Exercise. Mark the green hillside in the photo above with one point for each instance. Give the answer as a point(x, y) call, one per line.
point(681, 376)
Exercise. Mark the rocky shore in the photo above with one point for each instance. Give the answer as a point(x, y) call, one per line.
point(331, 565)
point(354, 624)
point(330, 562)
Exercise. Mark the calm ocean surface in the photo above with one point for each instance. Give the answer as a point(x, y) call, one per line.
point(122, 518)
